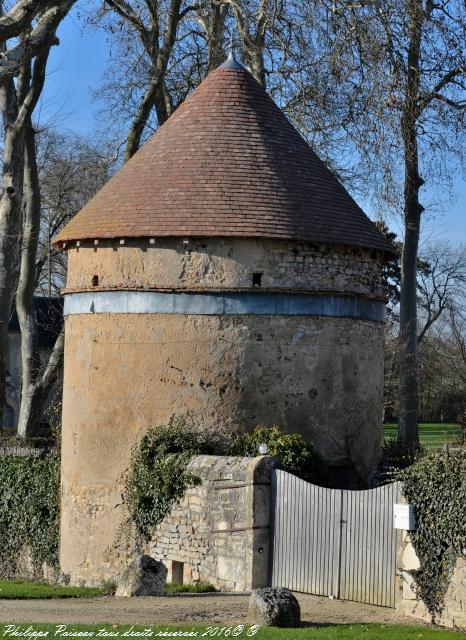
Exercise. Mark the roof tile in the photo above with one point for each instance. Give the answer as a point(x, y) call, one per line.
point(227, 163)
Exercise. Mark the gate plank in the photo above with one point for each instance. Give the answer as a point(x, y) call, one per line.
point(334, 543)
point(369, 547)
point(306, 539)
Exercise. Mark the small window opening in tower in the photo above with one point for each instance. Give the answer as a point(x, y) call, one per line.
point(95, 281)
point(256, 279)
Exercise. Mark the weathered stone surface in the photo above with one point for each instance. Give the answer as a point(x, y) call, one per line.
point(190, 534)
point(274, 607)
point(225, 263)
point(143, 577)
point(234, 495)
point(26, 569)
point(410, 559)
point(454, 612)
point(320, 376)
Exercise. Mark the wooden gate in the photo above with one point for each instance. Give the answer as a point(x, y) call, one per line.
point(332, 542)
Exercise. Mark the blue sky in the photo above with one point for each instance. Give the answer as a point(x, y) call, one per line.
point(76, 68)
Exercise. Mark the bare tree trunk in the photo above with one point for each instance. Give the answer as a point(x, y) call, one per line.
point(153, 97)
point(30, 354)
point(256, 63)
point(49, 267)
point(408, 389)
point(10, 219)
point(253, 41)
point(408, 412)
point(36, 382)
point(34, 399)
point(215, 32)
point(17, 102)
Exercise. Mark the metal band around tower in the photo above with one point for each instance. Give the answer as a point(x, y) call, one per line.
point(250, 303)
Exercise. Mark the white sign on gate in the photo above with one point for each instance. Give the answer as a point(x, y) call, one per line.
point(404, 517)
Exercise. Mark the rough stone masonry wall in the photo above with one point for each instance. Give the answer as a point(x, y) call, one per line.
point(231, 372)
point(224, 263)
point(454, 613)
point(124, 372)
point(220, 529)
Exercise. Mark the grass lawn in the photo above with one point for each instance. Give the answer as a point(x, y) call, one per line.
point(12, 589)
point(331, 632)
point(23, 589)
point(431, 434)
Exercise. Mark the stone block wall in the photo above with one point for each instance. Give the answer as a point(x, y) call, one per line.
point(454, 613)
point(226, 264)
point(315, 370)
point(219, 532)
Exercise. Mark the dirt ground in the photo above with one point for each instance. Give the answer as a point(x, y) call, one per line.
point(193, 609)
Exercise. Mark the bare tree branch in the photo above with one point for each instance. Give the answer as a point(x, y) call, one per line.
point(125, 11)
point(29, 102)
point(53, 365)
point(424, 100)
point(20, 16)
point(40, 38)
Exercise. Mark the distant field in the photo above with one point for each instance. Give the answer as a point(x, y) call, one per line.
point(431, 434)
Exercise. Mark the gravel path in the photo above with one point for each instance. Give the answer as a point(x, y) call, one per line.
point(194, 609)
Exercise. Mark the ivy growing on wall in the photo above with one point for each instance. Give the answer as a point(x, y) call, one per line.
point(29, 511)
point(158, 477)
point(436, 486)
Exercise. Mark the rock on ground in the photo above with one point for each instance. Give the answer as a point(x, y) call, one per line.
point(205, 609)
point(143, 577)
point(274, 607)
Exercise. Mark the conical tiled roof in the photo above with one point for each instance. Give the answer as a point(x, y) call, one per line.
point(227, 163)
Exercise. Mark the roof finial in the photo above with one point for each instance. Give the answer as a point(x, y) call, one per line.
point(231, 62)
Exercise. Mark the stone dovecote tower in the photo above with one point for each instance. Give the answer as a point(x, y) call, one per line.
point(223, 270)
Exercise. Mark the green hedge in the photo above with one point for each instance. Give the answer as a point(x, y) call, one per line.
point(291, 450)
